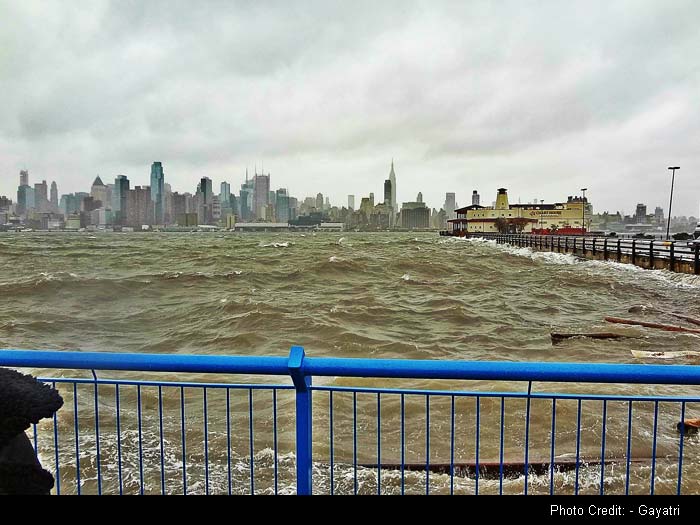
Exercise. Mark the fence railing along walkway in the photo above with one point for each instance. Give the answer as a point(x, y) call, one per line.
point(381, 426)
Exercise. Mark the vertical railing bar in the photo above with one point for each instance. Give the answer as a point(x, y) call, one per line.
point(206, 441)
point(97, 437)
point(354, 437)
point(527, 434)
point(379, 444)
point(403, 445)
point(478, 423)
point(629, 446)
point(251, 436)
point(578, 446)
point(55, 443)
point(602, 448)
point(427, 444)
point(162, 442)
point(77, 437)
point(36, 440)
point(551, 454)
point(330, 424)
point(138, 398)
point(184, 441)
point(119, 440)
point(500, 467)
point(653, 447)
point(680, 449)
point(274, 437)
point(228, 440)
point(452, 449)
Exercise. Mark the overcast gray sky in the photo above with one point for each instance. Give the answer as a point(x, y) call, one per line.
point(540, 97)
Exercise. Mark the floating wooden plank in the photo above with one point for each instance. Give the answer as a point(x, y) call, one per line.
point(686, 318)
point(492, 469)
point(658, 326)
point(559, 337)
point(665, 355)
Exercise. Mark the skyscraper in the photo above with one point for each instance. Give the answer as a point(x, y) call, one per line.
point(98, 192)
point(205, 201)
point(282, 206)
point(475, 198)
point(419, 198)
point(158, 192)
point(54, 197)
point(245, 203)
point(262, 195)
point(387, 192)
point(24, 178)
point(351, 202)
point(23, 192)
point(41, 196)
point(392, 178)
point(319, 201)
point(450, 205)
point(119, 200)
point(225, 195)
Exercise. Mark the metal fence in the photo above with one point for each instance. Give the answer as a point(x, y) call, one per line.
point(371, 426)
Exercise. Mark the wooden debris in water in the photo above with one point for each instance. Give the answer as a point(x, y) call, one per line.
point(559, 337)
point(658, 326)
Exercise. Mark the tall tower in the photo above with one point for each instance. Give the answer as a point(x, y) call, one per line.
point(54, 196)
point(157, 192)
point(392, 178)
point(419, 198)
point(24, 178)
point(119, 197)
point(351, 202)
point(475, 198)
point(387, 192)
point(261, 195)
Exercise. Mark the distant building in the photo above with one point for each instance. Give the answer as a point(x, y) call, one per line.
point(119, 200)
point(98, 192)
point(450, 205)
point(319, 201)
point(262, 195)
point(419, 197)
point(415, 215)
point(282, 206)
point(659, 216)
point(158, 192)
point(640, 214)
point(41, 197)
point(245, 202)
point(205, 201)
point(392, 178)
point(475, 198)
point(24, 178)
point(387, 192)
point(351, 202)
point(54, 197)
point(139, 207)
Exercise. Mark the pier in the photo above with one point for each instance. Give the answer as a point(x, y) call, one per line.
point(675, 256)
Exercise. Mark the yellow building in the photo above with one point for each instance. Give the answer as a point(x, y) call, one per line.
point(565, 218)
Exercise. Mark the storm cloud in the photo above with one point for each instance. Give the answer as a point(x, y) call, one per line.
point(540, 97)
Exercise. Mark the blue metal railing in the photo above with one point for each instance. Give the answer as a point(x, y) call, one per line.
point(157, 436)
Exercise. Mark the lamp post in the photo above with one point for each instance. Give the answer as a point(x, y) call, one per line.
point(583, 210)
point(670, 203)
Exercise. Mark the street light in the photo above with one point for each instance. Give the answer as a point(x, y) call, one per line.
point(583, 210)
point(670, 203)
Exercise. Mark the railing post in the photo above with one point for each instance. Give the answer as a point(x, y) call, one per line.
point(634, 251)
point(619, 250)
point(672, 256)
point(303, 420)
point(594, 252)
point(605, 249)
point(566, 244)
point(651, 254)
point(697, 259)
point(583, 246)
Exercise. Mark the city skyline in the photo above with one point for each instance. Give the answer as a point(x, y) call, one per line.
point(543, 99)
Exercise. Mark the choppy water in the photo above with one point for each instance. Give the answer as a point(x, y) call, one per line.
point(346, 295)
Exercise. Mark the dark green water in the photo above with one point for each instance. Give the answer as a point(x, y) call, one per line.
point(413, 296)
